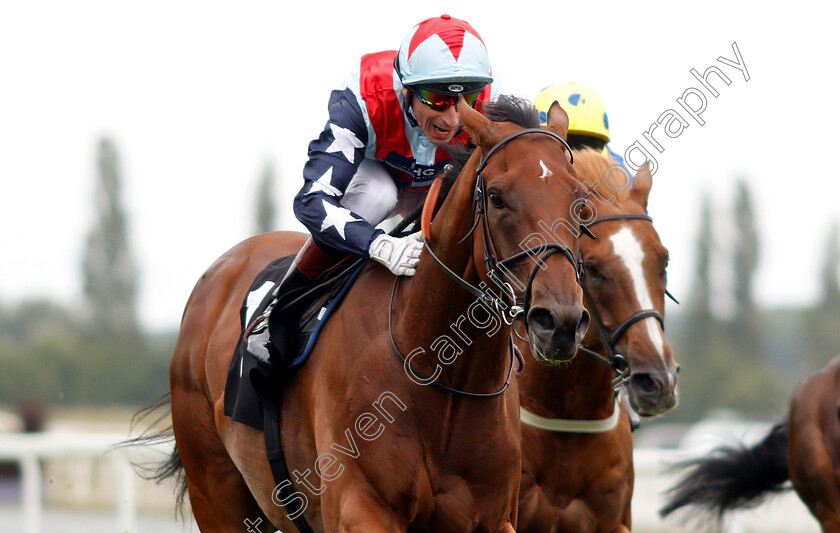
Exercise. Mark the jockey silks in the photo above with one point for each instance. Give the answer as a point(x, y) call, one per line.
point(366, 120)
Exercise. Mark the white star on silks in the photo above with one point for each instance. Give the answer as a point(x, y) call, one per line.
point(337, 217)
point(345, 141)
point(324, 184)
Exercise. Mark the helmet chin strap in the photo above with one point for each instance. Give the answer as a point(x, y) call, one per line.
point(409, 96)
point(409, 113)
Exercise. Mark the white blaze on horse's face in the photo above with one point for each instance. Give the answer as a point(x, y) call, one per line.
point(627, 247)
point(546, 172)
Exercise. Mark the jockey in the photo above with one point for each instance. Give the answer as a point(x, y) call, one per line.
point(383, 143)
point(588, 122)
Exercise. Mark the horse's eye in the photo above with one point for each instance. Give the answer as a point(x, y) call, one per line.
point(496, 199)
point(593, 271)
point(664, 272)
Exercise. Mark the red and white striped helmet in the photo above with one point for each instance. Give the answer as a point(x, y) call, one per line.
point(444, 50)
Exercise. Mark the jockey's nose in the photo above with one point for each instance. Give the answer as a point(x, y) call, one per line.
point(450, 116)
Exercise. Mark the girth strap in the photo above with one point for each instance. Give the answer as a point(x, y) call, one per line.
point(274, 451)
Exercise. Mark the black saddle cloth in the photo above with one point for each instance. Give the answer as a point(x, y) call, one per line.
point(291, 325)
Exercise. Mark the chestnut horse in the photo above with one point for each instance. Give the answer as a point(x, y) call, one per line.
point(371, 447)
point(577, 450)
point(804, 449)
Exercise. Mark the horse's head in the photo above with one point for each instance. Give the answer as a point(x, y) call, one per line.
point(624, 274)
point(525, 244)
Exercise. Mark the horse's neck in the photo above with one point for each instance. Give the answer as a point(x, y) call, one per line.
point(444, 319)
point(581, 390)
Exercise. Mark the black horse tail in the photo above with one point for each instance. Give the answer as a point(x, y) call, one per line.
point(732, 477)
point(152, 416)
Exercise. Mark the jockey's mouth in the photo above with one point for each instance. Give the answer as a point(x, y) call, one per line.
point(442, 132)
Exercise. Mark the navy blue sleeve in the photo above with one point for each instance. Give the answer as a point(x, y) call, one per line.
point(334, 158)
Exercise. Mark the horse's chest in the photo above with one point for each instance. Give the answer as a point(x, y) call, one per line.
point(574, 482)
point(463, 509)
point(474, 494)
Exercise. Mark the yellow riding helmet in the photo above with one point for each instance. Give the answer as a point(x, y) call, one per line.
point(587, 115)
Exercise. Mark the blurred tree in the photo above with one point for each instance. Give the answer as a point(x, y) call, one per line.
point(820, 324)
point(46, 354)
point(745, 266)
point(266, 211)
point(700, 298)
point(830, 271)
point(109, 272)
point(697, 343)
point(32, 321)
point(717, 368)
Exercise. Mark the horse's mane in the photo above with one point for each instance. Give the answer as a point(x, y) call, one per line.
point(591, 166)
point(504, 108)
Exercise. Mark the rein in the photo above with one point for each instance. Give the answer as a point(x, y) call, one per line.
point(508, 313)
point(433, 379)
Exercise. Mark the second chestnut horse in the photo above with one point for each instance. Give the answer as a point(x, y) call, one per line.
point(577, 449)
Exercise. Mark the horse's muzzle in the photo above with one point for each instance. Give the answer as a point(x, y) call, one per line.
point(555, 335)
point(652, 393)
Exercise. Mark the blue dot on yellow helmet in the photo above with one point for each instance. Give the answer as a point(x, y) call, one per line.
point(574, 98)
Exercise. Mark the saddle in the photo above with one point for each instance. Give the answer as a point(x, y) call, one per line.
point(286, 341)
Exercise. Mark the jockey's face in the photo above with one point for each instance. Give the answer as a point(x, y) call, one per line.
point(439, 126)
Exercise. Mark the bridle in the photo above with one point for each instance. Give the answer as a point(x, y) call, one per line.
point(496, 267)
point(609, 338)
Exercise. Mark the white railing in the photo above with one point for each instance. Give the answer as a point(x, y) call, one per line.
point(29, 450)
point(785, 514)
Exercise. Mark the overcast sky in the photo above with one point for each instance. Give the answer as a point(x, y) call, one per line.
point(200, 95)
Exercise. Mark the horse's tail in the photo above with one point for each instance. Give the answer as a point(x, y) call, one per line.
point(171, 466)
point(732, 477)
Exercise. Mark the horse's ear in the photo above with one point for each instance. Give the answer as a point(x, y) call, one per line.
point(558, 120)
point(483, 131)
point(642, 183)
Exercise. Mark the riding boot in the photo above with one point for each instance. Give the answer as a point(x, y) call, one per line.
point(310, 262)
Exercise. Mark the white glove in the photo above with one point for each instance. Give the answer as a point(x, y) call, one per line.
point(401, 255)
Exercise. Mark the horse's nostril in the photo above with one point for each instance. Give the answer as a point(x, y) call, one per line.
point(541, 319)
point(582, 325)
point(644, 383)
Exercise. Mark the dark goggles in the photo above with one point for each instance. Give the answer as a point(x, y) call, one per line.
point(440, 101)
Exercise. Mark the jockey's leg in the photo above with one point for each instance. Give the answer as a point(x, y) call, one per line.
point(310, 262)
point(372, 195)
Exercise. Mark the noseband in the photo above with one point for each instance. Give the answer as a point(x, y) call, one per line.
point(609, 338)
point(495, 269)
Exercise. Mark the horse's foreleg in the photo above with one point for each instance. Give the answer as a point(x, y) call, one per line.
point(359, 514)
point(504, 528)
point(626, 518)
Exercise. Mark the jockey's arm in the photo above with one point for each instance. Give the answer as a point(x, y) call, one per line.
point(334, 158)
